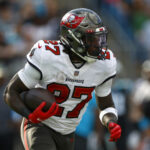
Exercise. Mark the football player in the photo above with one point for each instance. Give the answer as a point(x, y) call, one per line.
point(71, 69)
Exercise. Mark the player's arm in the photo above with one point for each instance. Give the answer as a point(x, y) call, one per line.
point(25, 79)
point(105, 104)
point(108, 113)
point(12, 96)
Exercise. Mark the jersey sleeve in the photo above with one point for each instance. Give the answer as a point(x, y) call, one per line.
point(104, 89)
point(34, 57)
point(29, 76)
point(110, 64)
point(109, 67)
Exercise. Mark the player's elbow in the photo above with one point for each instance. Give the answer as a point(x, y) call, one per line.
point(8, 94)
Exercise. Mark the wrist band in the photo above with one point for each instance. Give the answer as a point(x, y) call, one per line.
point(106, 111)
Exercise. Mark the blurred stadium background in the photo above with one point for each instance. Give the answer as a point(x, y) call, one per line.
point(24, 22)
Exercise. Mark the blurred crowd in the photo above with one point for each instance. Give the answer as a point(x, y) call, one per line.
point(24, 22)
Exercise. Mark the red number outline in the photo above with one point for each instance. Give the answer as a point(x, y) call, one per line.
point(56, 49)
point(78, 92)
point(62, 88)
point(107, 55)
point(52, 42)
point(64, 93)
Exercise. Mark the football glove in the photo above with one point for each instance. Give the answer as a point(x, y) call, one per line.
point(115, 131)
point(38, 115)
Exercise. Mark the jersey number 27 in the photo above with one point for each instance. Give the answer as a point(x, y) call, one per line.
point(64, 93)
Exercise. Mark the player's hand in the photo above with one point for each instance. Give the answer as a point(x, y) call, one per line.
point(115, 131)
point(38, 115)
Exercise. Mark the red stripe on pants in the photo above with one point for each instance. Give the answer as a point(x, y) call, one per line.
point(25, 137)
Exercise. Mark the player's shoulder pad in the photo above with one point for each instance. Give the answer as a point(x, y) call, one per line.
point(35, 54)
point(44, 50)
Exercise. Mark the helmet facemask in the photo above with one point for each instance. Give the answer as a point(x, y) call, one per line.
point(88, 45)
point(94, 43)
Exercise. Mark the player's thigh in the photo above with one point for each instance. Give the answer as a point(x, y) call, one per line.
point(36, 137)
point(63, 142)
point(69, 140)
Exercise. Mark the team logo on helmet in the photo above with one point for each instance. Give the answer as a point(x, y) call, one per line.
point(71, 21)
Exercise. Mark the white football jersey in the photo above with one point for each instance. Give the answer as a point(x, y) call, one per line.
point(71, 86)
